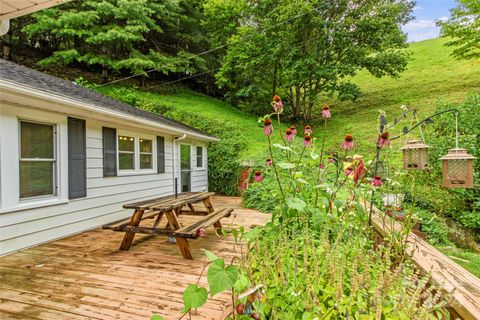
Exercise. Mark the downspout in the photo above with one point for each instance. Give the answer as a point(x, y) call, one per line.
point(4, 27)
point(174, 164)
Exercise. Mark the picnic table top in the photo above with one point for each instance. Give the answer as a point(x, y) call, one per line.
point(169, 202)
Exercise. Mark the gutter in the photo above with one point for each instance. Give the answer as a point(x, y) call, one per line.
point(52, 97)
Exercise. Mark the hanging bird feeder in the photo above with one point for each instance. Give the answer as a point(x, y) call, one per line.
point(415, 155)
point(458, 169)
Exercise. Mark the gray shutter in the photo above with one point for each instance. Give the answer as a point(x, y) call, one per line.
point(160, 154)
point(109, 152)
point(77, 158)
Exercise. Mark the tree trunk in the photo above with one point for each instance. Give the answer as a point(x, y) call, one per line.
point(142, 81)
point(104, 74)
point(297, 103)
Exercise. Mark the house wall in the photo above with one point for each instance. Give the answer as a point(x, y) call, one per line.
point(27, 223)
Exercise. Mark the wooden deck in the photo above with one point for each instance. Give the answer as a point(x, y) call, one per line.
point(86, 277)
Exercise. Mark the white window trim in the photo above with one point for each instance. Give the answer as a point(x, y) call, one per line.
point(137, 136)
point(10, 165)
point(203, 167)
point(56, 173)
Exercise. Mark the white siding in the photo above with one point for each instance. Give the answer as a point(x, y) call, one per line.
point(105, 196)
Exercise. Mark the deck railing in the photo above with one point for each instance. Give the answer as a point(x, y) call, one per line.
point(456, 282)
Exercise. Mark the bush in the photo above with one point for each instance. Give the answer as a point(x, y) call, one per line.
point(223, 157)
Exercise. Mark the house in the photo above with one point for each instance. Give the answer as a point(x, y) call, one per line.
point(71, 157)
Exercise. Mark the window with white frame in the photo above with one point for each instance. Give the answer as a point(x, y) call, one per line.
point(135, 153)
point(37, 160)
point(199, 157)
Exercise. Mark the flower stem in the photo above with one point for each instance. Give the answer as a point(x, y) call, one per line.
point(275, 168)
point(321, 158)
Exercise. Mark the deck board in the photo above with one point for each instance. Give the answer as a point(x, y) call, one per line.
point(85, 276)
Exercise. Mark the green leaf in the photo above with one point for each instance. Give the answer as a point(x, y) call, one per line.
point(157, 317)
point(221, 278)
point(296, 203)
point(210, 255)
point(286, 165)
point(303, 181)
point(279, 146)
point(314, 155)
point(194, 297)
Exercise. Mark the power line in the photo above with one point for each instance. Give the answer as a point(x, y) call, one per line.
point(210, 50)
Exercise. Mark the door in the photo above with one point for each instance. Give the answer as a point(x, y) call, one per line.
point(185, 174)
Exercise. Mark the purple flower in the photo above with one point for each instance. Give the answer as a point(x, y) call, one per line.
point(377, 181)
point(268, 162)
point(258, 176)
point(347, 143)
point(384, 141)
point(307, 141)
point(321, 166)
point(289, 134)
point(294, 130)
point(307, 129)
point(277, 103)
point(267, 127)
point(326, 111)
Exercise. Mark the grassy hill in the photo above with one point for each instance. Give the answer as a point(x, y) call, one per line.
point(432, 77)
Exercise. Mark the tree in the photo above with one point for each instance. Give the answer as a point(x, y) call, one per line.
point(463, 27)
point(114, 35)
point(306, 49)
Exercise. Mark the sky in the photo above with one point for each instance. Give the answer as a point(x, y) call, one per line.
point(426, 12)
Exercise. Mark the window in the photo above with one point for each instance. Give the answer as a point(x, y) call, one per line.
point(126, 153)
point(37, 160)
point(135, 153)
point(146, 154)
point(199, 157)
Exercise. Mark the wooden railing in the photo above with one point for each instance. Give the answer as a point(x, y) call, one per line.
point(456, 282)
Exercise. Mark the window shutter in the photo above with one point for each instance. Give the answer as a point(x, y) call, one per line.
point(77, 158)
point(161, 154)
point(109, 152)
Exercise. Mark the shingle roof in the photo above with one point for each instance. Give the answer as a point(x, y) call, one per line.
point(13, 72)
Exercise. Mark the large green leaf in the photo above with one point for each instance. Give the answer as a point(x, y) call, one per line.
point(194, 297)
point(221, 278)
point(296, 203)
point(210, 255)
point(286, 165)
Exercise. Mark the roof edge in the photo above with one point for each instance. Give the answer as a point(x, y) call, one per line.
point(31, 91)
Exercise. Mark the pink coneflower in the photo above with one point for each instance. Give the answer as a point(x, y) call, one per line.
point(289, 134)
point(384, 141)
point(331, 160)
point(377, 181)
point(321, 166)
point(307, 129)
point(294, 130)
point(307, 141)
point(201, 232)
point(358, 170)
point(277, 103)
point(326, 111)
point(348, 171)
point(267, 127)
point(347, 143)
point(268, 162)
point(258, 176)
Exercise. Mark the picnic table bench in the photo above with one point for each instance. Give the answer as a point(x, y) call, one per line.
point(170, 207)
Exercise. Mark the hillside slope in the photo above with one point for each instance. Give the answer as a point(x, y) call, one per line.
point(432, 77)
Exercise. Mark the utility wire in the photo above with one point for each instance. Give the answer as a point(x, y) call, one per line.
point(213, 49)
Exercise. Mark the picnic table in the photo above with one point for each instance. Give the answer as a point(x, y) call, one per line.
point(170, 207)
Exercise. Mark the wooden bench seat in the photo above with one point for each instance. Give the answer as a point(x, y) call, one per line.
point(213, 218)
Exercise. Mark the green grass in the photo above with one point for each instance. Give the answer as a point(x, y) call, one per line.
point(467, 259)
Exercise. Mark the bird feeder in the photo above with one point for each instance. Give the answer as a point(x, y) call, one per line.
point(415, 155)
point(458, 169)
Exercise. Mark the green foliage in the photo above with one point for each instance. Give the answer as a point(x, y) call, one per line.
point(224, 157)
point(435, 227)
point(221, 278)
point(303, 49)
point(121, 35)
point(157, 317)
point(463, 28)
point(194, 297)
